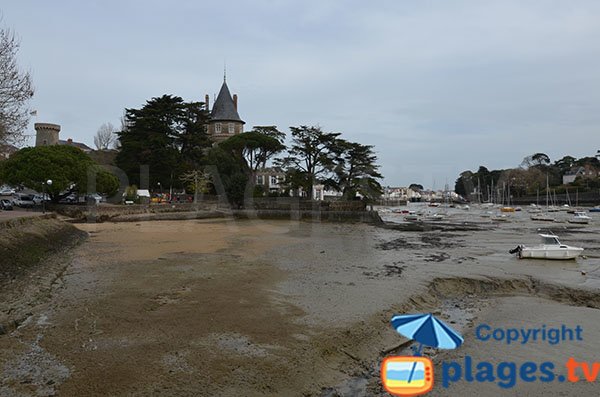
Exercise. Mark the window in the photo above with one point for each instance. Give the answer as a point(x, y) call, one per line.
point(218, 128)
point(259, 179)
point(273, 180)
point(231, 128)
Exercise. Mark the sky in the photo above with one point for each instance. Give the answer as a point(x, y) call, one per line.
point(437, 87)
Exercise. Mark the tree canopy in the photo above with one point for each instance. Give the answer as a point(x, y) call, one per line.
point(311, 157)
point(70, 170)
point(255, 148)
point(356, 170)
point(168, 135)
point(16, 88)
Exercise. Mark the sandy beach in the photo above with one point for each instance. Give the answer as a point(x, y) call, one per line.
point(224, 307)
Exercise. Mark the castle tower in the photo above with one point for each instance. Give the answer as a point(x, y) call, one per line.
point(224, 118)
point(46, 134)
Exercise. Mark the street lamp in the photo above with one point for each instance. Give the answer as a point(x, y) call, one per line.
point(160, 187)
point(49, 183)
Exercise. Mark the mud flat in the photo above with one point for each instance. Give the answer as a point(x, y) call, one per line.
point(247, 307)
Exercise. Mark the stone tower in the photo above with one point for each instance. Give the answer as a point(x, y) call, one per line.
point(46, 134)
point(224, 118)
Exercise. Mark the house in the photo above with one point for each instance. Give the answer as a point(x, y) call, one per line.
point(271, 179)
point(79, 145)
point(322, 192)
point(586, 171)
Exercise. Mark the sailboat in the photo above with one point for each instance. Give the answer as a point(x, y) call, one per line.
point(540, 216)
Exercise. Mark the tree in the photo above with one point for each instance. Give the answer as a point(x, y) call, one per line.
point(68, 167)
point(198, 182)
point(565, 164)
point(16, 89)
point(254, 148)
point(535, 160)
point(311, 156)
point(464, 184)
point(168, 135)
point(356, 171)
point(105, 136)
point(416, 187)
point(227, 175)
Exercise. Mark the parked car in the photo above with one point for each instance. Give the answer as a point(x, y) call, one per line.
point(70, 199)
point(7, 191)
point(6, 205)
point(37, 199)
point(24, 201)
point(94, 198)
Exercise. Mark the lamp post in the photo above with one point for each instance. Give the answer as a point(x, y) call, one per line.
point(49, 183)
point(160, 187)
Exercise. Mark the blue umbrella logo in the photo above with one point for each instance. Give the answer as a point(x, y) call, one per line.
point(427, 330)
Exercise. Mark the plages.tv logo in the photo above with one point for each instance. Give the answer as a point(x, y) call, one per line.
point(413, 375)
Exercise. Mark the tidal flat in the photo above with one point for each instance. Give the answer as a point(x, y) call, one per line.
point(231, 307)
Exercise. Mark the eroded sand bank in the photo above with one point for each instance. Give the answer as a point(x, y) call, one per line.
point(228, 307)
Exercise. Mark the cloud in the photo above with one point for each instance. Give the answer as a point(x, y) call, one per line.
point(438, 87)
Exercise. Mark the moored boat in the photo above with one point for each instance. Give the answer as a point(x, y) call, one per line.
point(542, 218)
point(580, 217)
point(551, 248)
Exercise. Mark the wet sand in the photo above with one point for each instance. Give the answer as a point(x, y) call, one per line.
point(223, 307)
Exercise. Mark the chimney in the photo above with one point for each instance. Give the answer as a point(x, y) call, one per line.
point(206, 101)
point(235, 101)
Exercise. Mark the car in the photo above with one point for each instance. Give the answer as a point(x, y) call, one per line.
point(70, 199)
point(6, 190)
point(6, 205)
point(94, 198)
point(38, 198)
point(24, 201)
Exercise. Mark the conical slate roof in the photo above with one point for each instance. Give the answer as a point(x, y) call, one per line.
point(224, 108)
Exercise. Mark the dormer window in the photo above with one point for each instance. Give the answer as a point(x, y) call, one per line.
point(231, 128)
point(218, 128)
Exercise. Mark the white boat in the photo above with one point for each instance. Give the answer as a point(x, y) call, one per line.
point(551, 248)
point(434, 217)
point(542, 218)
point(580, 217)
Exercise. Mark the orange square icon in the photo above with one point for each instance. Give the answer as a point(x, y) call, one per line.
point(407, 375)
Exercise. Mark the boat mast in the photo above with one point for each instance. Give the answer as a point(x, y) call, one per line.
point(547, 188)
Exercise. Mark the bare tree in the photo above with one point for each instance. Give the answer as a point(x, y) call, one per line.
point(16, 89)
point(105, 137)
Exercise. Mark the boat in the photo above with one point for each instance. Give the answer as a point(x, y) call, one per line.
point(581, 218)
point(411, 218)
point(507, 209)
point(550, 248)
point(534, 209)
point(500, 218)
point(434, 217)
point(595, 209)
point(542, 218)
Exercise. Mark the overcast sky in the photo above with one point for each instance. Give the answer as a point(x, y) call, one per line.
point(437, 87)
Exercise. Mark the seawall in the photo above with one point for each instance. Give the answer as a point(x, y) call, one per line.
point(26, 242)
